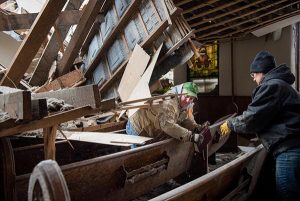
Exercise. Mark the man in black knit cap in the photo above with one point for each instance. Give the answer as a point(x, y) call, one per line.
point(274, 115)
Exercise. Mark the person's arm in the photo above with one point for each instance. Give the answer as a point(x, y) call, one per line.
point(167, 119)
point(264, 106)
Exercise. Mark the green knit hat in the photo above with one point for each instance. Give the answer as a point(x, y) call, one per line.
point(191, 89)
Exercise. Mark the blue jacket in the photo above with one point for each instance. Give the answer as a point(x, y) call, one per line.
point(274, 113)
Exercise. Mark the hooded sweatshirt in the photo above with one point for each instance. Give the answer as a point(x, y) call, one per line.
point(274, 113)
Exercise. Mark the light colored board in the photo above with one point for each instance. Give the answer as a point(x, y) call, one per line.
point(32, 42)
point(133, 72)
point(142, 89)
point(17, 105)
point(78, 97)
point(107, 138)
point(68, 80)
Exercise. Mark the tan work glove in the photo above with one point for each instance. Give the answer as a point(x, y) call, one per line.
point(225, 130)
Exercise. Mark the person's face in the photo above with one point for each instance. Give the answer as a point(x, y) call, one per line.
point(185, 100)
point(257, 77)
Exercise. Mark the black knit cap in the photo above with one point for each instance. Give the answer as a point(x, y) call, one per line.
point(262, 63)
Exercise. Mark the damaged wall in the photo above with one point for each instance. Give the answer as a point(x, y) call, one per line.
point(244, 51)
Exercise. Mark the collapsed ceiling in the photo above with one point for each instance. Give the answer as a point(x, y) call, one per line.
point(220, 20)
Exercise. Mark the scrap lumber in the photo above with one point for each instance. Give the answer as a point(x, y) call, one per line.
point(107, 138)
point(68, 80)
point(107, 127)
point(17, 105)
point(77, 97)
point(32, 43)
point(40, 74)
point(25, 21)
point(50, 120)
point(86, 21)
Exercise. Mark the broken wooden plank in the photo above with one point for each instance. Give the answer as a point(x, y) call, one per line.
point(68, 80)
point(25, 21)
point(118, 73)
point(107, 138)
point(49, 121)
point(86, 21)
point(32, 43)
point(107, 127)
point(40, 74)
point(17, 105)
point(78, 97)
point(133, 72)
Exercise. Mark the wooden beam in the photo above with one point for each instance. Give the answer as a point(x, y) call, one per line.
point(200, 5)
point(226, 13)
point(180, 3)
point(241, 16)
point(40, 74)
point(17, 105)
point(24, 21)
point(86, 21)
point(202, 14)
point(68, 80)
point(107, 127)
point(126, 17)
point(49, 121)
point(32, 42)
point(249, 20)
point(249, 29)
point(78, 97)
point(49, 142)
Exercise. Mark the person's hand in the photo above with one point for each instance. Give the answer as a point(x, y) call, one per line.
point(201, 139)
point(224, 128)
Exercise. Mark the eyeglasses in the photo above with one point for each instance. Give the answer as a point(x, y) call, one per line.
point(252, 75)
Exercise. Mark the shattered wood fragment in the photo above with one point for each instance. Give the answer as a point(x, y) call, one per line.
point(17, 105)
point(50, 120)
point(32, 42)
point(39, 76)
point(78, 97)
point(65, 81)
point(107, 127)
point(25, 21)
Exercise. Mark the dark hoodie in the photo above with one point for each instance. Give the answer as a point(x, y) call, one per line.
point(274, 113)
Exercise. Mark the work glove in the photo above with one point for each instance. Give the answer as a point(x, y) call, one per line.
point(202, 138)
point(224, 128)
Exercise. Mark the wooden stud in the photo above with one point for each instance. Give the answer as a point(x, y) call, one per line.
point(86, 21)
point(49, 142)
point(40, 74)
point(32, 43)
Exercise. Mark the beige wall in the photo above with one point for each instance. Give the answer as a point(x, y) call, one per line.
point(8, 48)
point(243, 53)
